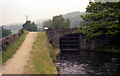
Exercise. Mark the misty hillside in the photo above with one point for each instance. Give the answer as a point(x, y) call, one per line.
point(14, 28)
point(39, 22)
point(75, 18)
point(106, 0)
point(17, 26)
point(73, 14)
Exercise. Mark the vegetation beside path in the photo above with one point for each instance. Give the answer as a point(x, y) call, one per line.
point(53, 56)
point(11, 49)
point(40, 61)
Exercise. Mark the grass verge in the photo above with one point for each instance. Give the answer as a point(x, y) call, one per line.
point(40, 60)
point(11, 49)
point(52, 54)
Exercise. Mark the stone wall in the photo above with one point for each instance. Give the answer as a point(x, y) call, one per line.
point(94, 44)
point(9, 39)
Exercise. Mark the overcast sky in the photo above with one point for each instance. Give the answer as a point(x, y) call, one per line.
point(14, 11)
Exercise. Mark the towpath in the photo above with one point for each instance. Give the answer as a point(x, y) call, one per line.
point(16, 64)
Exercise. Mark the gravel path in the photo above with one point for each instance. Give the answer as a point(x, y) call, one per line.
point(16, 64)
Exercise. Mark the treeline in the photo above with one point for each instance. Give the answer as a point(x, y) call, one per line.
point(102, 21)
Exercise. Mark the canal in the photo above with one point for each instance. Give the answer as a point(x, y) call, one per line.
point(87, 62)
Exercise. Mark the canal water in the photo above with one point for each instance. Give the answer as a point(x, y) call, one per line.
point(87, 62)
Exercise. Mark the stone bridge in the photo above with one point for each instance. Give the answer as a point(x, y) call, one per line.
point(65, 39)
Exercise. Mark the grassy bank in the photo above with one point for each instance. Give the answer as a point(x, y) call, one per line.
point(11, 49)
point(40, 60)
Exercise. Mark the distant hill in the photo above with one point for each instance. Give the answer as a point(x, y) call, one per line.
point(106, 0)
point(73, 14)
point(75, 18)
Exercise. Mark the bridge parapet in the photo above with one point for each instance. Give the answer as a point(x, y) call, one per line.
point(4, 42)
point(55, 34)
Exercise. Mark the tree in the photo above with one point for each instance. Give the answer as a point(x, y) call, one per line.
point(33, 27)
point(57, 22)
point(103, 20)
point(60, 22)
point(5, 32)
point(29, 26)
